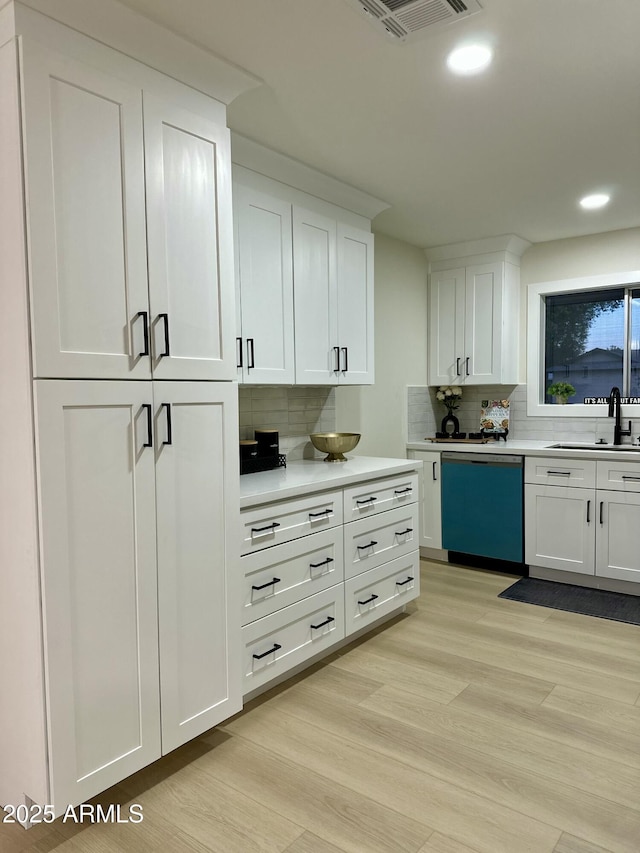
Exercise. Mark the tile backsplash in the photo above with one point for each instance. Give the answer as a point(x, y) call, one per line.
point(425, 414)
point(295, 411)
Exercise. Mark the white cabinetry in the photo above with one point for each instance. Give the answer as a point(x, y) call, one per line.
point(123, 466)
point(333, 285)
point(304, 270)
point(572, 526)
point(430, 498)
point(101, 207)
point(310, 580)
point(118, 592)
point(474, 317)
point(264, 287)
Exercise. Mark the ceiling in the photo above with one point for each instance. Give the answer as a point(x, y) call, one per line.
point(556, 116)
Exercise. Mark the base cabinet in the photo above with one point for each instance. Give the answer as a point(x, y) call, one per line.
point(309, 590)
point(140, 651)
point(579, 527)
point(430, 498)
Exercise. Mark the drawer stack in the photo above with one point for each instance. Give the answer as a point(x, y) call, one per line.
point(319, 568)
point(382, 561)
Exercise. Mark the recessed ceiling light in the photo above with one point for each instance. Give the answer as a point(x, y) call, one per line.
point(593, 202)
point(470, 59)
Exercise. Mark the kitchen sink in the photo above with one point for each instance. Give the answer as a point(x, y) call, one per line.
point(624, 447)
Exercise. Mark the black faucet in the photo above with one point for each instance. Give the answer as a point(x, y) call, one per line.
point(614, 401)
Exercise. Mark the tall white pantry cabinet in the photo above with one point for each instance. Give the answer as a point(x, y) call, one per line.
point(119, 483)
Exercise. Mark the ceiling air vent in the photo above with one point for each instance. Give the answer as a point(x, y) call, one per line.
point(407, 20)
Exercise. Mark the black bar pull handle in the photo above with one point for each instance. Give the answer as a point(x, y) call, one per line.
point(466, 365)
point(149, 441)
point(169, 439)
point(145, 332)
point(265, 585)
point(369, 600)
point(369, 545)
point(336, 367)
point(327, 621)
point(628, 477)
point(324, 512)
point(601, 512)
point(402, 583)
point(588, 511)
point(434, 472)
point(167, 347)
point(560, 473)
point(404, 532)
point(345, 350)
point(404, 491)
point(457, 367)
point(323, 563)
point(240, 362)
point(251, 353)
point(270, 651)
point(366, 500)
point(271, 526)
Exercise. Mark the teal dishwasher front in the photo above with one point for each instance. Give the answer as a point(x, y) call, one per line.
point(482, 504)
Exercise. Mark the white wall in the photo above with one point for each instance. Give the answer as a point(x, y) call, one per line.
point(379, 411)
point(596, 254)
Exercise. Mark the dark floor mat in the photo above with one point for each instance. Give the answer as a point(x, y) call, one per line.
point(576, 599)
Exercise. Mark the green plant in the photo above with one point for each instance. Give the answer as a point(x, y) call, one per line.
point(561, 389)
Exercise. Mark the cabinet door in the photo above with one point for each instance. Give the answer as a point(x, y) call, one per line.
point(483, 324)
point(86, 219)
point(430, 499)
point(617, 552)
point(198, 556)
point(446, 327)
point(190, 243)
point(315, 289)
point(560, 525)
point(99, 589)
point(265, 287)
point(355, 305)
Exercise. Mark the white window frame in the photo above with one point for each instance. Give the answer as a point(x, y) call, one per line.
point(535, 344)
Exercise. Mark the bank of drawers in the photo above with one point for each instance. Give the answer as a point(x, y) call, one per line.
point(296, 556)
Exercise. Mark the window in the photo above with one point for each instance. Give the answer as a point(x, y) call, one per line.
point(589, 336)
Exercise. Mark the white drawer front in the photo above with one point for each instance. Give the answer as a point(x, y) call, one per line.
point(286, 520)
point(275, 644)
point(367, 499)
point(280, 576)
point(380, 591)
point(553, 471)
point(618, 476)
point(376, 540)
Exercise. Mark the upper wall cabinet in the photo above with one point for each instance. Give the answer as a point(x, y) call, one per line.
point(264, 287)
point(304, 276)
point(333, 285)
point(474, 319)
point(130, 228)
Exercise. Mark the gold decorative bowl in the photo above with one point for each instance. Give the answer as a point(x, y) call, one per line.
point(336, 444)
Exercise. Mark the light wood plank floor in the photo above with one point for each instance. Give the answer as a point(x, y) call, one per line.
point(470, 724)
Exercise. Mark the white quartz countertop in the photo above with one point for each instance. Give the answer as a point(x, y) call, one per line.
point(316, 475)
point(528, 448)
